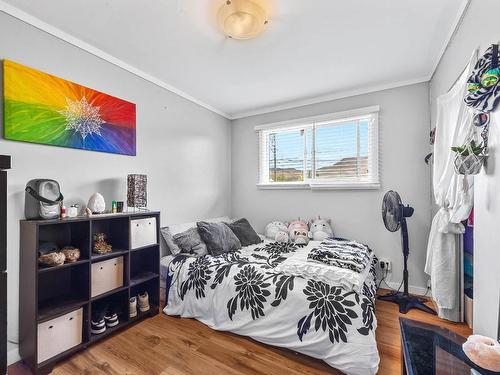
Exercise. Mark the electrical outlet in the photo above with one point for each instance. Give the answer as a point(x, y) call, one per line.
point(385, 264)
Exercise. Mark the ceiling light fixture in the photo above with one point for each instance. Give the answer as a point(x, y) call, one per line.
point(242, 19)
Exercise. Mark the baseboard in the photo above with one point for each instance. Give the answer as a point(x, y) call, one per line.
point(417, 290)
point(13, 354)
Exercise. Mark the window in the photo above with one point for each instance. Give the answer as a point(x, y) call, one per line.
point(338, 150)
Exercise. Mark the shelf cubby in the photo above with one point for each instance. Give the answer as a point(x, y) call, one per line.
point(76, 234)
point(116, 302)
point(116, 230)
point(61, 289)
point(143, 263)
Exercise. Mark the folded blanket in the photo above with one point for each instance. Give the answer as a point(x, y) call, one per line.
point(346, 254)
point(298, 265)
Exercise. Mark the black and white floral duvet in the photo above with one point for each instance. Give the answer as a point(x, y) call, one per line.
point(242, 292)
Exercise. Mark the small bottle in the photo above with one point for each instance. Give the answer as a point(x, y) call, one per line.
point(63, 211)
point(113, 207)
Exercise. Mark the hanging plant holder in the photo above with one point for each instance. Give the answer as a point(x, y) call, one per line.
point(468, 164)
point(469, 158)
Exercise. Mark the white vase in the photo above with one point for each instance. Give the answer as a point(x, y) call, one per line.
point(96, 203)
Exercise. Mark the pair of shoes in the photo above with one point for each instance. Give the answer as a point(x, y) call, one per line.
point(143, 299)
point(103, 318)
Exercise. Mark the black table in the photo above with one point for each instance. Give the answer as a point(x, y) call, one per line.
point(428, 349)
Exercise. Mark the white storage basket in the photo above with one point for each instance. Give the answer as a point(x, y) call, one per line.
point(106, 275)
point(143, 232)
point(57, 335)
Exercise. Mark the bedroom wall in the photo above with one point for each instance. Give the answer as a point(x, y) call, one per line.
point(183, 148)
point(471, 34)
point(404, 124)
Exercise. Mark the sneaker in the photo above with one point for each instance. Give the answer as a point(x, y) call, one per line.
point(143, 302)
point(98, 327)
point(132, 307)
point(111, 319)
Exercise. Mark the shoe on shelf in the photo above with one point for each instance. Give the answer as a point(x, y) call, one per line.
point(111, 319)
point(98, 324)
point(98, 327)
point(132, 307)
point(143, 302)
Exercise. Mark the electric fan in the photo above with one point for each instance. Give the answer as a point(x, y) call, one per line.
point(394, 214)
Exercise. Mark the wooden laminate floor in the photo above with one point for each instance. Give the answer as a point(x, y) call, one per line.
point(175, 346)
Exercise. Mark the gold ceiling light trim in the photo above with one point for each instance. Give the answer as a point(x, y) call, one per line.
point(242, 19)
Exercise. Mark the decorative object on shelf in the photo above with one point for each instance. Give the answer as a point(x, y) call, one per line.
point(42, 199)
point(42, 108)
point(114, 210)
point(71, 253)
point(242, 19)
point(469, 158)
point(137, 190)
point(88, 212)
point(483, 92)
point(73, 211)
point(52, 259)
point(483, 351)
point(100, 244)
point(96, 204)
point(119, 206)
point(63, 211)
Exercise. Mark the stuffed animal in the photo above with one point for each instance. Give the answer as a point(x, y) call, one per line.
point(296, 227)
point(274, 231)
point(300, 237)
point(320, 229)
point(282, 236)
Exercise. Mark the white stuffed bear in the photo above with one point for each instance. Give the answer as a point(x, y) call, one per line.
point(277, 231)
point(320, 229)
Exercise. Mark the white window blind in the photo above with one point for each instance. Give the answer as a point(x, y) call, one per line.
point(338, 150)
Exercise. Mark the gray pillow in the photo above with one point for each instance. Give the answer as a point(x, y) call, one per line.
point(190, 242)
point(218, 237)
point(245, 233)
point(169, 240)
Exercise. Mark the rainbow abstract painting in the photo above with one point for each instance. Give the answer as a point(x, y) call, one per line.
point(41, 108)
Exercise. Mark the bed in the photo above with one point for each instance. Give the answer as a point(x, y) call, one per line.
point(245, 293)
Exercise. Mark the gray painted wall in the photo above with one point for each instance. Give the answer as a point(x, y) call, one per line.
point(183, 148)
point(471, 34)
point(404, 124)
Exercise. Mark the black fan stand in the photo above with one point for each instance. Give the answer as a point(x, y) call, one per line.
point(404, 299)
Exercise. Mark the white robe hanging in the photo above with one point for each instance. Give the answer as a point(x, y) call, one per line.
point(453, 128)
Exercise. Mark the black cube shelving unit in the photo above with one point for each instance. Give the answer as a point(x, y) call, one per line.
point(47, 293)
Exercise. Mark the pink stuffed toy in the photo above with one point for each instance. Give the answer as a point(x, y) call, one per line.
point(296, 229)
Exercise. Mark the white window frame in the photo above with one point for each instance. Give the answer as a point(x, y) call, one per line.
point(303, 123)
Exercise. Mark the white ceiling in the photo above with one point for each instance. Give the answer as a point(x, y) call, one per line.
point(312, 50)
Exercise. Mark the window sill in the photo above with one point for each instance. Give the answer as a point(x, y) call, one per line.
point(319, 186)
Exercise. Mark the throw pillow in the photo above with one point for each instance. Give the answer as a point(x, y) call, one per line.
point(169, 240)
point(190, 242)
point(245, 233)
point(218, 237)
